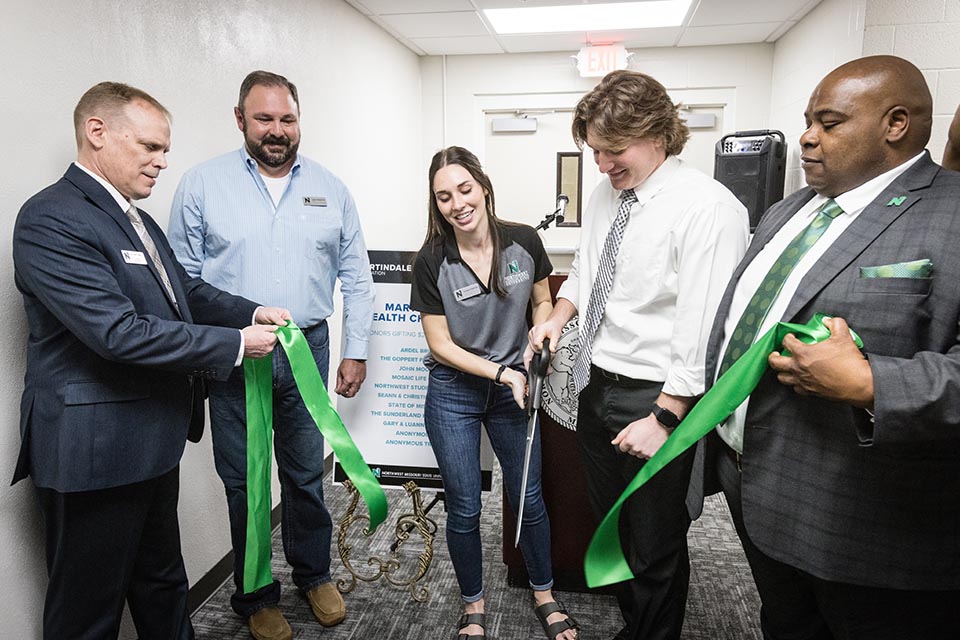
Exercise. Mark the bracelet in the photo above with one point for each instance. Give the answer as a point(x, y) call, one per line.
point(500, 371)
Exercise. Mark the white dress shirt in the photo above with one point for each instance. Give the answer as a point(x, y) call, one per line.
point(853, 203)
point(685, 236)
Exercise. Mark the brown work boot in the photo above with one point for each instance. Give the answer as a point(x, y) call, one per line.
point(327, 604)
point(269, 624)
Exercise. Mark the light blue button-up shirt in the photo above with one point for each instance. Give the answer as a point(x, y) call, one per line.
point(225, 228)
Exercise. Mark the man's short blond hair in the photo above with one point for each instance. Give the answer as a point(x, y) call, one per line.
point(107, 99)
point(627, 105)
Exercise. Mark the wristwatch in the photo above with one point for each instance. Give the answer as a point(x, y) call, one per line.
point(665, 417)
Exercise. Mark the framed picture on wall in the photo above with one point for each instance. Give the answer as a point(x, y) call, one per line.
point(569, 181)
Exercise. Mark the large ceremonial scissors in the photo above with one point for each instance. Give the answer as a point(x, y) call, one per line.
point(539, 365)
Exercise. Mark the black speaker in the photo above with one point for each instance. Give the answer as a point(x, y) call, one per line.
point(752, 164)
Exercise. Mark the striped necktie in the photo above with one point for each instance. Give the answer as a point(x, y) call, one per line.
point(590, 320)
point(151, 248)
point(749, 324)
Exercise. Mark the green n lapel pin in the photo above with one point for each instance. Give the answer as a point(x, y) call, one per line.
point(896, 202)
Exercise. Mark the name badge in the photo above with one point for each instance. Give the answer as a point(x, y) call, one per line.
point(314, 201)
point(134, 257)
point(467, 292)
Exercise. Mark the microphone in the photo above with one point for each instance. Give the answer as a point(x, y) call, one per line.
point(562, 201)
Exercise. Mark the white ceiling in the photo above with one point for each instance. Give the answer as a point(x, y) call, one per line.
point(450, 27)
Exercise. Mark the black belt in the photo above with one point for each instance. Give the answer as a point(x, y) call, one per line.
point(620, 379)
point(729, 452)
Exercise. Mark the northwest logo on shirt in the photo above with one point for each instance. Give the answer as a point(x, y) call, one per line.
point(516, 275)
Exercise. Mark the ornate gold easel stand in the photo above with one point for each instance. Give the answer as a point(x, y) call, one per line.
point(388, 568)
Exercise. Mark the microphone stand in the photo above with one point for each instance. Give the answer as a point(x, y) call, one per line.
point(550, 219)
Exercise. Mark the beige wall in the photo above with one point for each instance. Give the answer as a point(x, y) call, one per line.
point(360, 95)
point(926, 32)
point(457, 89)
point(836, 31)
point(827, 37)
point(452, 86)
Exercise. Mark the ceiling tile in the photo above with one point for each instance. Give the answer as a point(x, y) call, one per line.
point(440, 25)
point(358, 5)
point(731, 12)
point(532, 43)
point(518, 4)
point(460, 25)
point(386, 7)
point(727, 34)
point(458, 46)
point(640, 38)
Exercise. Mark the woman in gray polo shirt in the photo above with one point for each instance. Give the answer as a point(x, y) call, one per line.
point(474, 280)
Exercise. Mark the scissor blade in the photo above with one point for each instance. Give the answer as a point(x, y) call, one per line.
point(531, 430)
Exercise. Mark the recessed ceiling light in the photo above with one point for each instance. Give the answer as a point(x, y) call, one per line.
point(589, 17)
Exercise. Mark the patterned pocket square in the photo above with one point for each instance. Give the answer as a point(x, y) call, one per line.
point(914, 269)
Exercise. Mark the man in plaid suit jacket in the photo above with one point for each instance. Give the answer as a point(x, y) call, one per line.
point(843, 471)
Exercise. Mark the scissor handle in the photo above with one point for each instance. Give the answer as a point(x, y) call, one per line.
point(541, 361)
point(539, 365)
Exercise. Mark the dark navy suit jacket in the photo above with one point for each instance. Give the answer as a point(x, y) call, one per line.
point(109, 390)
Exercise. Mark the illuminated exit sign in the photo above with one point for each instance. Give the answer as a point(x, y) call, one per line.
point(593, 62)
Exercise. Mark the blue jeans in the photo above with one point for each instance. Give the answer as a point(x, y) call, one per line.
point(298, 445)
point(457, 403)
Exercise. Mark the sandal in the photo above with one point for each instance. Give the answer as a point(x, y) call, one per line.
point(555, 629)
point(468, 619)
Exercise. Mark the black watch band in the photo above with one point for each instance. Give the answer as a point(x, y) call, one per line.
point(665, 417)
point(500, 371)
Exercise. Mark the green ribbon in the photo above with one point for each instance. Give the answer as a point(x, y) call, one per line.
point(258, 375)
point(604, 562)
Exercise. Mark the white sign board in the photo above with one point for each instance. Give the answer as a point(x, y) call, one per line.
point(385, 418)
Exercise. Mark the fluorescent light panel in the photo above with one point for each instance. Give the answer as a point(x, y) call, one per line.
point(589, 17)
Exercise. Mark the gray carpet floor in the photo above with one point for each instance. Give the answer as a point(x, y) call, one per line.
point(722, 604)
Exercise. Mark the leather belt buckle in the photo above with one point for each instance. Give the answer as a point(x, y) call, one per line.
point(733, 455)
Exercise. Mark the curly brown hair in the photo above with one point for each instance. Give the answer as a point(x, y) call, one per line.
point(627, 105)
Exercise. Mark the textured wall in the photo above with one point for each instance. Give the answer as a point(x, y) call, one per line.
point(926, 33)
point(827, 37)
point(922, 31)
point(357, 84)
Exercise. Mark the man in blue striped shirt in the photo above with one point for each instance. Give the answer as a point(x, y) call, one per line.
point(266, 223)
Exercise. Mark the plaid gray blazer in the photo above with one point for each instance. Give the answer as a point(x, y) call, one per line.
point(824, 489)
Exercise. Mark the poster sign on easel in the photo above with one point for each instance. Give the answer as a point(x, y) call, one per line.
point(385, 418)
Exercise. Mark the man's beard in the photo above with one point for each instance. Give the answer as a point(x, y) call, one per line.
point(258, 149)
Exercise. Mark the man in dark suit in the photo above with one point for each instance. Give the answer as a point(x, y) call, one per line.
point(842, 469)
point(116, 350)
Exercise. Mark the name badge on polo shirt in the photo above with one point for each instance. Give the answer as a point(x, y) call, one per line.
point(314, 201)
point(133, 257)
point(467, 292)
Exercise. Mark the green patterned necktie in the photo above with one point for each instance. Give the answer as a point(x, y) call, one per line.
point(746, 330)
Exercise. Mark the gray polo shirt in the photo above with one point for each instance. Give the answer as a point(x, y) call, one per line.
point(480, 321)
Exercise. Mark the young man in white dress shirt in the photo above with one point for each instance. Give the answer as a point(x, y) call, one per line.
point(684, 234)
